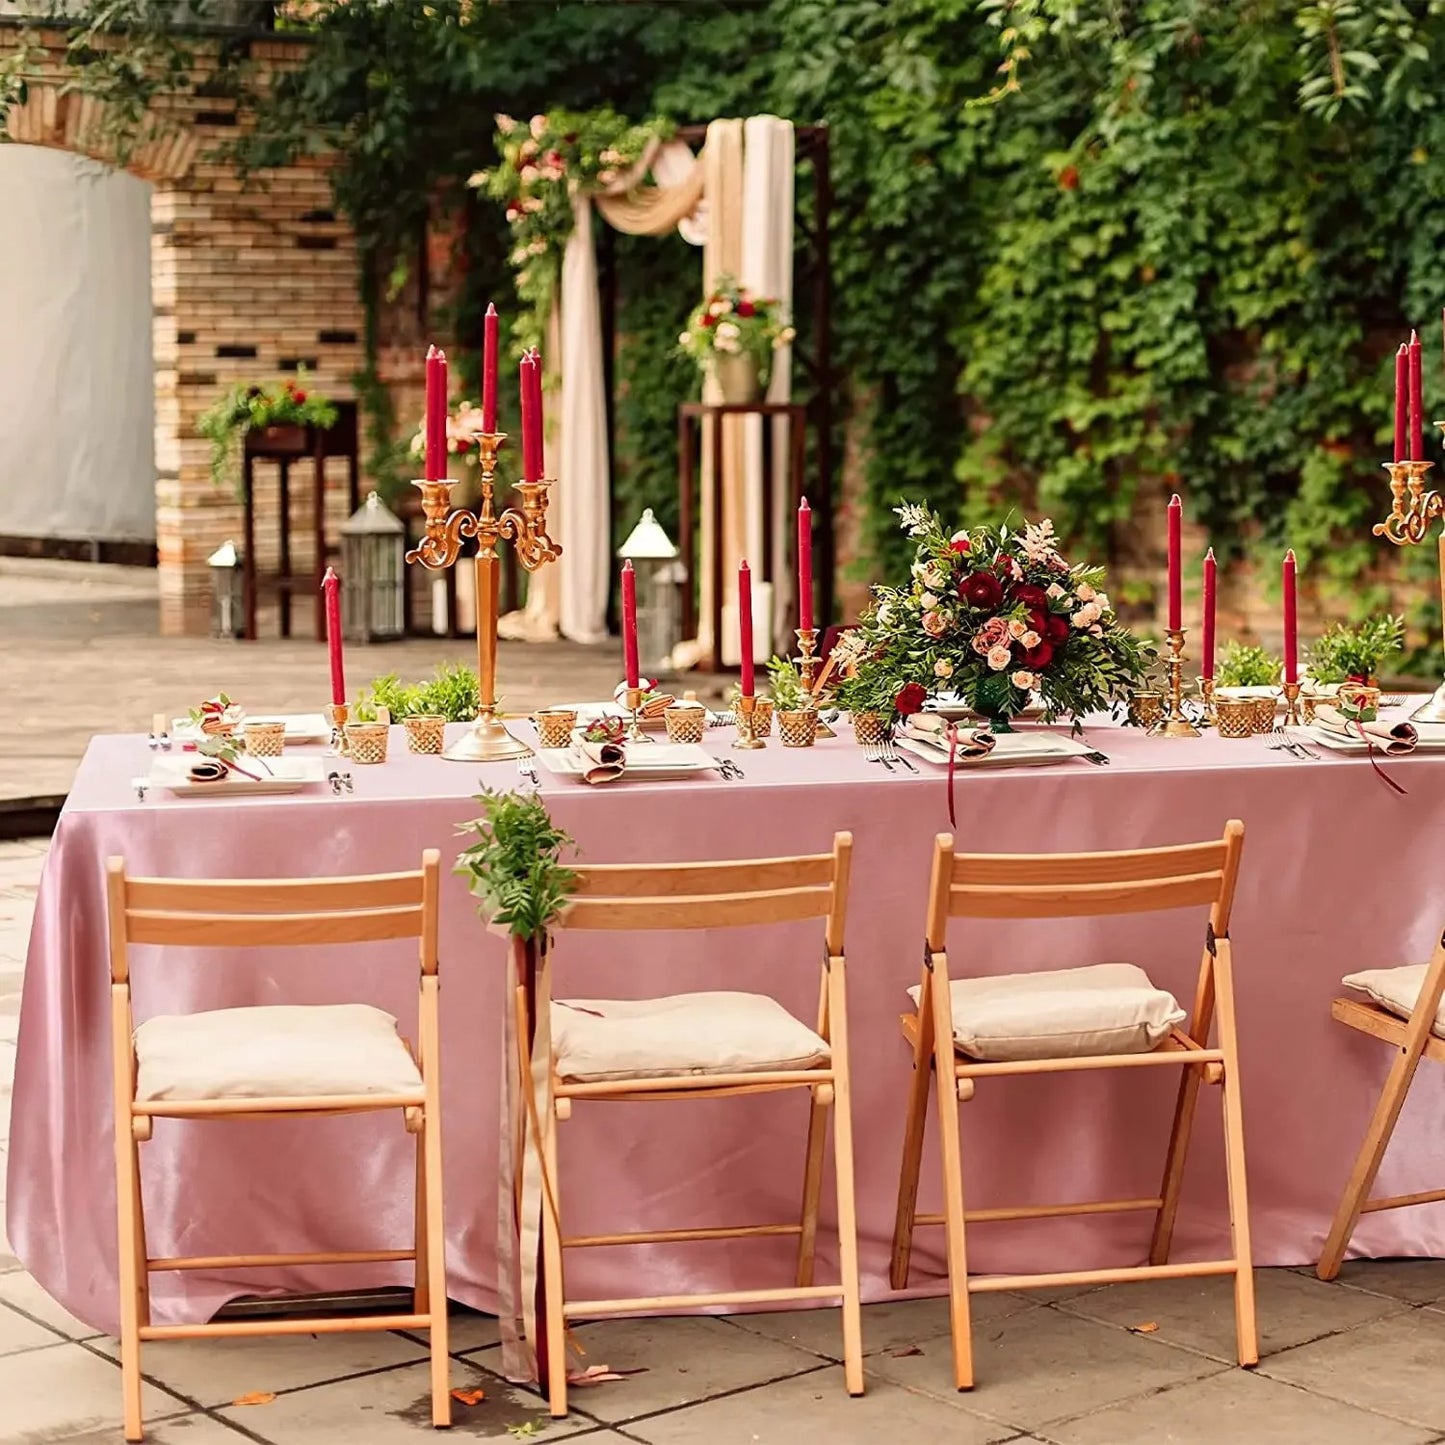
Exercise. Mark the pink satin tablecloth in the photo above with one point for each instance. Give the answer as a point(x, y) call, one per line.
point(1339, 873)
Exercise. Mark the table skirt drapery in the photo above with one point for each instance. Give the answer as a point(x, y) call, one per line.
point(1338, 874)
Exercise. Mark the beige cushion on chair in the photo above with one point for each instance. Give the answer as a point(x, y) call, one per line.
point(273, 1052)
point(1397, 989)
point(1107, 1008)
point(688, 1033)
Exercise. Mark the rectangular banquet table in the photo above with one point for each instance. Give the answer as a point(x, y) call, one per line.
point(1338, 873)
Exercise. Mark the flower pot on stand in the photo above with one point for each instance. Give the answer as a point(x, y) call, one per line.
point(738, 378)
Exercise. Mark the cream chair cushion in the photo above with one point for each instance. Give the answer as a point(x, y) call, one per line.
point(1107, 1008)
point(687, 1033)
point(1396, 989)
point(273, 1052)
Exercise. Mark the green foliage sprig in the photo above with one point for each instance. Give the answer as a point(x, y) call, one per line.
point(244, 406)
point(515, 867)
point(1356, 652)
point(452, 692)
point(1244, 666)
point(786, 683)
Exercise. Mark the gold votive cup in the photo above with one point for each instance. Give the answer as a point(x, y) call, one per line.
point(798, 729)
point(425, 733)
point(554, 726)
point(1361, 697)
point(366, 742)
point(685, 722)
point(763, 717)
point(1235, 716)
point(1146, 709)
point(1264, 709)
point(870, 728)
point(264, 739)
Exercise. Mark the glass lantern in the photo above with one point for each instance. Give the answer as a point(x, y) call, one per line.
point(228, 592)
point(659, 598)
point(373, 569)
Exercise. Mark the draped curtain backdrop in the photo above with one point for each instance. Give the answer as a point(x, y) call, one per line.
point(735, 200)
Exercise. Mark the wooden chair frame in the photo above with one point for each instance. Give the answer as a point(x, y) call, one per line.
point(270, 913)
point(1412, 1040)
point(715, 895)
point(1062, 886)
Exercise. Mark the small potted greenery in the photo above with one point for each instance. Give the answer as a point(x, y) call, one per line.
point(368, 731)
point(1354, 654)
point(272, 409)
point(1246, 671)
point(733, 334)
point(797, 720)
point(515, 867)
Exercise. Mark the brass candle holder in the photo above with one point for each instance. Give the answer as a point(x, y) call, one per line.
point(337, 714)
point(746, 737)
point(632, 701)
point(1412, 512)
point(487, 741)
point(1210, 717)
point(1176, 724)
point(808, 664)
point(1292, 716)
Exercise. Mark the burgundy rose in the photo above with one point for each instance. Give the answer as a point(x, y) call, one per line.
point(1032, 597)
point(910, 699)
point(746, 308)
point(1038, 658)
point(708, 319)
point(959, 543)
point(981, 589)
point(1039, 621)
point(1056, 628)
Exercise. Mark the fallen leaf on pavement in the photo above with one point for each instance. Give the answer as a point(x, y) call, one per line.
point(601, 1375)
point(906, 1351)
point(256, 1397)
point(469, 1397)
point(1145, 1329)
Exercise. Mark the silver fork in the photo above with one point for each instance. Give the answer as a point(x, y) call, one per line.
point(892, 755)
point(873, 753)
point(1284, 743)
point(527, 769)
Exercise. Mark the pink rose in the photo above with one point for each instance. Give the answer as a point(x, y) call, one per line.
point(1016, 629)
point(934, 623)
point(999, 658)
point(1030, 638)
point(994, 633)
point(1024, 680)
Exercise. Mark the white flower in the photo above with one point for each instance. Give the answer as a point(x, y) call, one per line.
point(1054, 590)
point(721, 308)
point(1086, 616)
point(529, 174)
point(527, 149)
point(1038, 541)
point(915, 519)
point(537, 247)
point(928, 601)
point(519, 255)
point(1084, 592)
point(1030, 638)
point(785, 336)
point(885, 614)
point(1101, 601)
point(1016, 629)
point(1024, 680)
point(727, 329)
point(715, 309)
point(999, 658)
point(943, 668)
point(685, 339)
point(611, 157)
point(932, 576)
point(505, 124)
point(533, 204)
point(477, 179)
point(538, 127)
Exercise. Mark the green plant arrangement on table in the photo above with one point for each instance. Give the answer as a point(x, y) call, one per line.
point(515, 867)
point(997, 617)
point(732, 334)
point(451, 693)
point(247, 407)
point(1354, 654)
point(1243, 665)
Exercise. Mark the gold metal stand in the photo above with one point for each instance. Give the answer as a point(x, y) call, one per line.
point(1292, 716)
point(746, 737)
point(487, 741)
point(1175, 724)
point(1206, 693)
point(632, 701)
point(808, 665)
point(1412, 511)
point(337, 714)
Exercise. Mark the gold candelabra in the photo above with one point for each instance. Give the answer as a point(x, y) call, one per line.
point(1175, 723)
point(526, 527)
point(808, 664)
point(1412, 512)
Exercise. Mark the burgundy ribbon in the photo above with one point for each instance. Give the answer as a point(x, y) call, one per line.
point(1380, 773)
point(951, 733)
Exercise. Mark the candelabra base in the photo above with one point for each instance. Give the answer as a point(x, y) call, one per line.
point(1179, 727)
point(486, 741)
point(1432, 711)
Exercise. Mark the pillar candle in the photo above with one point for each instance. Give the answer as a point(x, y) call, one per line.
point(745, 626)
point(531, 433)
point(489, 369)
point(629, 624)
point(1402, 400)
point(1207, 642)
point(436, 414)
point(1291, 625)
point(1417, 404)
point(1176, 592)
point(805, 565)
point(331, 591)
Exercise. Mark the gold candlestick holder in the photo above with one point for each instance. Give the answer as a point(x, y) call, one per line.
point(746, 737)
point(1292, 716)
point(1176, 724)
point(632, 701)
point(525, 527)
point(338, 714)
point(808, 664)
point(1413, 511)
point(1210, 718)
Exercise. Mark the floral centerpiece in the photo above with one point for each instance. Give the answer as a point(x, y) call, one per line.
point(996, 616)
point(733, 333)
point(280, 403)
point(464, 423)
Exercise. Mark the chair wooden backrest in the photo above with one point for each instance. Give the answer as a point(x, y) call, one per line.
point(643, 896)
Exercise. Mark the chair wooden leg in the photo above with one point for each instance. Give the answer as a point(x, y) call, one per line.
point(847, 1203)
point(421, 1288)
point(1245, 1325)
point(436, 1267)
point(1367, 1163)
point(131, 1240)
point(1174, 1161)
point(556, 1323)
point(953, 1224)
point(913, 1134)
point(812, 1188)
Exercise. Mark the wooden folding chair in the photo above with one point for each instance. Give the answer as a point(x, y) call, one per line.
point(1063, 886)
point(1413, 1039)
point(667, 1064)
point(250, 1063)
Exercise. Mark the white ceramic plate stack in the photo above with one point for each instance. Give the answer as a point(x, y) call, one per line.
point(649, 762)
point(285, 775)
point(301, 727)
point(1011, 750)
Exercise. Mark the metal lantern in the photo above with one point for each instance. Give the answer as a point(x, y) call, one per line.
point(228, 592)
point(373, 565)
point(659, 604)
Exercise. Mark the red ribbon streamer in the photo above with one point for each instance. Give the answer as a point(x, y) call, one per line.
point(1380, 773)
point(951, 733)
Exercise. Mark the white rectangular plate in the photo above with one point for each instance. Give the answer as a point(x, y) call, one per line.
point(288, 775)
point(650, 761)
point(1314, 733)
point(301, 727)
point(1012, 750)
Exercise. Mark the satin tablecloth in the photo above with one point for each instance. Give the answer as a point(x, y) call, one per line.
point(1338, 873)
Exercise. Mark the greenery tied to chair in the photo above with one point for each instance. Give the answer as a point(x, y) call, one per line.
point(515, 867)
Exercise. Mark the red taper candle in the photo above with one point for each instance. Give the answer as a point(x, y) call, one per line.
point(436, 414)
point(1417, 404)
point(331, 591)
point(1176, 585)
point(531, 428)
point(489, 369)
point(745, 626)
point(629, 624)
point(805, 565)
point(1207, 643)
point(1402, 400)
point(1291, 622)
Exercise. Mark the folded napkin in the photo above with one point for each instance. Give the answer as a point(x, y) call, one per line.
point(601, 762)
point(927, 727)
point(1393, 739)
point(653, 702)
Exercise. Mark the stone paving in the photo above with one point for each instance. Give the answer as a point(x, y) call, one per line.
point(1342, 1364)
